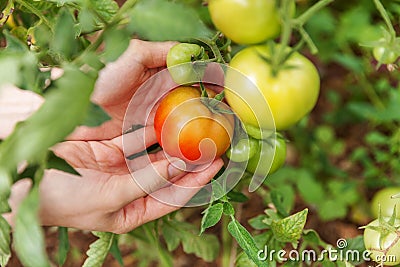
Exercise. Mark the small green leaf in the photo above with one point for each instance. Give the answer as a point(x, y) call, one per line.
point(243, 260)
point(228, 209)
point(13, 43)
point(106, 9)
point(211, 216)
point(5, 251)
point(312, 237)
point(95, 116)
point(258, 222)
point(290, 228)
point(28, 235)
point(172, 21)
point(204, 246)
point(236, 196)
point(57, 163)
point(116, 252)
point(171, 236)
point(98, 250)
point(245, 241)
point(116, 42)
point(64, 41)
point(63, 245)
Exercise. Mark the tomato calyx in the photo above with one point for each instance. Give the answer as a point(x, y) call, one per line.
point(385, 228)
point(213, 104)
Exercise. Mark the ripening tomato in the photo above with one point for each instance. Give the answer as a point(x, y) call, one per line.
point(291, 93)
point(383, 200)
point(246, 21)
point(188, 126)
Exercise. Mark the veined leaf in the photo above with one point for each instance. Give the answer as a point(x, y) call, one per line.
point(99, 249)
point(290, 228)
point(245, 241)
point(211, 216)
point(5, 252)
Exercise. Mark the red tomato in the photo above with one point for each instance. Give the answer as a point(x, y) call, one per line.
point(186, 127)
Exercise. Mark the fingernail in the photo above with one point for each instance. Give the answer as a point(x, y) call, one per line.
point(176, 167)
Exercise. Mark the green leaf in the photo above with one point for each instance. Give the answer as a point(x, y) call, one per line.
point(5, 189)
point(161, 20)
point(245, 241)
point(204, 246)
point(106, 9)
point(98, 250)
point(54, 162)
point(211, 216)
point(13, 43)
point(116, 42)
point(290, 228)
point(64, 41)
point(63, 245)
point(310, 236)
point(228, 209)
point(5, 251)
point(310, 190)
point(243, 260)
point(258, 222)
point(95, 116)
point(332, 209)
point(28, 235)
point(116, 252)
point(171, 236)
point(62, 111)
point(236, 196)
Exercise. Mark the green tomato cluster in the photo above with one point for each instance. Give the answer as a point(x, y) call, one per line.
point(263, 156)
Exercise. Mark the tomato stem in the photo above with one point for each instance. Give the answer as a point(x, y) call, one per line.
point(385, 16)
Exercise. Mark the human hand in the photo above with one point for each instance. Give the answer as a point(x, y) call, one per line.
point(106, 197)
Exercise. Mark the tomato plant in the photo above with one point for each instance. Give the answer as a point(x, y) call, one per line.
point(261, 163)
point(383, 244)
point(189, 127)
point(186, 53)
point(246, 22)
point(383, 201)
point(291, 93)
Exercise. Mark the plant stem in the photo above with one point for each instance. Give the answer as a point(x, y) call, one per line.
point(385, 16)
point(303, 18)
point(226, 243)
point(35, 11)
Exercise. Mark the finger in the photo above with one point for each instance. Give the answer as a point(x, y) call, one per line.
point(149, 208)
point(19, 191)
point(142, 161)
point(122, 190)
point(136, 141)
point(16, 105)
point(154, 53)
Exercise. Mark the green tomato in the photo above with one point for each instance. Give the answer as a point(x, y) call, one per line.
point(383, 199)
point(246, 21)
point(290, 94)
point(265, 157)
point(257, 132)
point(180, 65)
point(384, 250)
point(243, 150)
point(384, 55)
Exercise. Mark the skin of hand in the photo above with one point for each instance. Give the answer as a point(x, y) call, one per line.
point(106, 197)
